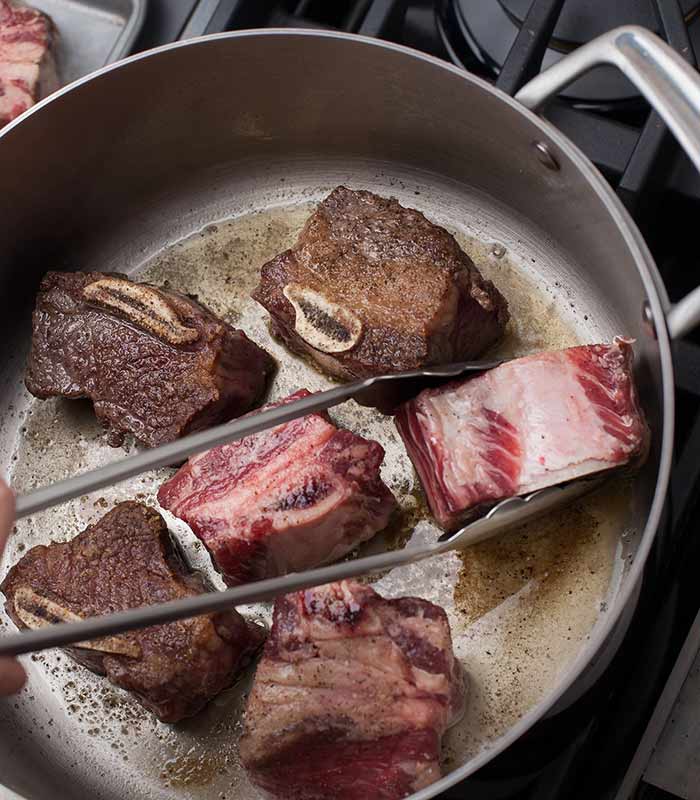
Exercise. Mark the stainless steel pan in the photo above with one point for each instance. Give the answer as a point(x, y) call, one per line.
point(128, 169)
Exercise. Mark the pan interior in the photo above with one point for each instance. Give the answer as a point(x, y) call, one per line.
point(521, 607)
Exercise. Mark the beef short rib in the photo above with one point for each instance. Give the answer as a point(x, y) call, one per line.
point(289, 498)
point(155, 363)
point(530, 423)
point(126, 560)
point(372, 287)
point(27, 66)
point(352, 696)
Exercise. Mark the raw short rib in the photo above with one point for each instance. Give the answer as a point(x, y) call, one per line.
point(372, 287)
point(27, 67)
point(290, 498)
point(127, 560)
point(352, 696)
point(530, 423)
point(155, 363)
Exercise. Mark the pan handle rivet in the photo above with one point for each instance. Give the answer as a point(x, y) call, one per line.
point(545, 157)
point(648, 318)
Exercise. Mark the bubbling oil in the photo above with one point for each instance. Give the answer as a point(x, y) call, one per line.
point(520, 607)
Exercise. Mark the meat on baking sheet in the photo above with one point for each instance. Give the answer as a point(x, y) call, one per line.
point(27, 64)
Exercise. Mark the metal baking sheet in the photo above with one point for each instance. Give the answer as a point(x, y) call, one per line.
point(92, 33)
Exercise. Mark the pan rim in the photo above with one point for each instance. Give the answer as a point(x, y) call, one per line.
point(658, 303)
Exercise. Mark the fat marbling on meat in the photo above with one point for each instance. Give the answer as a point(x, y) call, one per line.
point(27, 66)
point(289, 498)
point(529, 423)
point(155, 363)
point(127, 560)
point(372, 287)
point(351, 697)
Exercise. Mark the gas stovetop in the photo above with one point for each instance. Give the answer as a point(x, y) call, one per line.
point(636, 731)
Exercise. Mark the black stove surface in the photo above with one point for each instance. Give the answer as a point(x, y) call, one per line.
point(584, 751)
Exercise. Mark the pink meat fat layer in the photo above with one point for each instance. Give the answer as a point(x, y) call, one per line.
point(352, 696)
point(26, 66)
point(293, 497)
point(530, 423)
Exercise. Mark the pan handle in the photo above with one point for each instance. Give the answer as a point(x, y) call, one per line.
point(669, 83)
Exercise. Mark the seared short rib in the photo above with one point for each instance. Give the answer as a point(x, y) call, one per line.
point(126, 560)
point(27, 65)
point(155, 363)
point(372, 287)
point(352, 696)
point(530, 423)
point(290, 498)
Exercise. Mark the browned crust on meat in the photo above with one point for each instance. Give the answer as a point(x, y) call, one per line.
point(156, 363)
point(420, 298)
point(127, 560)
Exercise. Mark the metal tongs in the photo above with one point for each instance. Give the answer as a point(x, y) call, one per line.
point(384, 392)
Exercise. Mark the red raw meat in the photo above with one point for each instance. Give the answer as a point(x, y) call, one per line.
point(530, 423)
point(352, 696)
point(290, 498)
point(27, 67)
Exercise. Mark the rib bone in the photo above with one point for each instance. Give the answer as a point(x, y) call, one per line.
point(36, 611)
point(144, 305)
point(325, 325)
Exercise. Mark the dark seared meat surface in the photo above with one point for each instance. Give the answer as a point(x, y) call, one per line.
point(126, 560)
point(155, 363)
point(373, 287)
point(352, 696)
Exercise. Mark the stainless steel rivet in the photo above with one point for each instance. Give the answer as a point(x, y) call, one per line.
point(648, 319)
point(498, 250)
point(545, 157)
